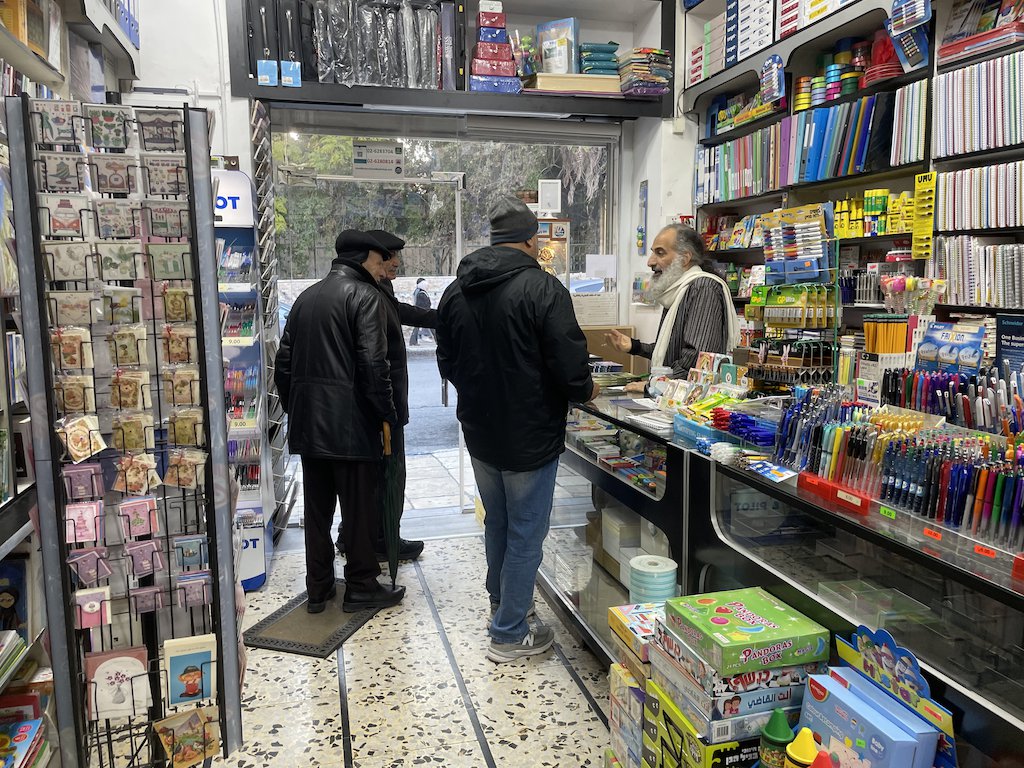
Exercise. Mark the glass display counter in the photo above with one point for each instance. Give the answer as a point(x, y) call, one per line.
point(845, 569)
point(959, 611)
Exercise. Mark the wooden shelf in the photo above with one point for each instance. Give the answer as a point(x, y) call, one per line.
point(32, 65)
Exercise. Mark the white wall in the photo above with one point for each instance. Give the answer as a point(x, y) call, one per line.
point(185, 48)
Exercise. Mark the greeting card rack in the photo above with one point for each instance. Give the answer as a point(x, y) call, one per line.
point(117, 264)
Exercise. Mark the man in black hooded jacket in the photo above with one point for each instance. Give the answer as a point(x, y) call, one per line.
point(333, 377)
point(507, 338)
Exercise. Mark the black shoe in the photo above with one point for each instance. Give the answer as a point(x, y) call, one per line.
point(339, 544)
point(407, 550)
point(318, 607)
point(376, 596)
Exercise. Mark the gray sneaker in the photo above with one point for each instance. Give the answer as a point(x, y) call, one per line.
point(536, 642)
point(531, 615)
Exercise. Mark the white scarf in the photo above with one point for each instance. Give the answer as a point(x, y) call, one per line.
point(673, 297)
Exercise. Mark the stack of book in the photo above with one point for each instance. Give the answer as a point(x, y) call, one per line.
point(26, 744)
point(721, 664)
point(12, 651)
point(645, 72)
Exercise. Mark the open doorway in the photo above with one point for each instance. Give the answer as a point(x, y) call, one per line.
point(316, 197)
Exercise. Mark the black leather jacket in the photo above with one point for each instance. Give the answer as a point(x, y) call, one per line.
point(332, 368)
point(507, 338)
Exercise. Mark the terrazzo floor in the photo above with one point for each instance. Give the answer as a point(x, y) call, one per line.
point(413, 687)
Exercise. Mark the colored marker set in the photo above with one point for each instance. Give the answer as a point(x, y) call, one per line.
point(989, 402)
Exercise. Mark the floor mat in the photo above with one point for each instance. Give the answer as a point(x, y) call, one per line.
point(292, 629)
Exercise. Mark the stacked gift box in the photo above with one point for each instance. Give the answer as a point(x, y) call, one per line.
point(633, 628)
point(599, 58)
point(493, 67)
point(720, 664)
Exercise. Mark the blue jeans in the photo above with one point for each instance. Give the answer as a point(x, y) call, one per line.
point(518, 512)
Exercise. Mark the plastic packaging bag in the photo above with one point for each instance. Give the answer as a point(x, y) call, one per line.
point(343, 30)
point(428, 40)
point(410, 50)
point(322, 42)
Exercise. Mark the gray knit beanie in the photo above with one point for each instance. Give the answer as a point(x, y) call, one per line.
point(511, 221)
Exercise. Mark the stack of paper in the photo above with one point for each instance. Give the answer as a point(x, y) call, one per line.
point(980, 107)
point(12, 648)
point(910, 116)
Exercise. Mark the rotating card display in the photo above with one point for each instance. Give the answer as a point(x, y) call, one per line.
point(119, 269)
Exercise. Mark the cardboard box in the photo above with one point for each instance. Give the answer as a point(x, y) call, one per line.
point(716, 685)
point(926, 734)
point(679, 742)
point(853, 729)
point(634, 624)
point(627, 691)
point(743, 630)
point(726, 705)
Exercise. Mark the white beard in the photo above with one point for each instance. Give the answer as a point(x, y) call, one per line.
point(661, 283)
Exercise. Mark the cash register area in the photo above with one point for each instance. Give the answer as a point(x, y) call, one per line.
point(413, 686)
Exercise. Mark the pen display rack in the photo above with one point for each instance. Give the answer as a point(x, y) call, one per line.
point(119, 287)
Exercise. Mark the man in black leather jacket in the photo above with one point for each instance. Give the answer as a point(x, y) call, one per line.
point(335, 384)
point(507, 338)
point(399, 314)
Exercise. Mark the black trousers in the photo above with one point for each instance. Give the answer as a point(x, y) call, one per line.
point(356, 485)
point(397, 449)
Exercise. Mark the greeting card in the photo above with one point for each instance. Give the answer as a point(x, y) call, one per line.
point(122, 304)
point(84, 481)
point(138, 517)
point(191, 551)
point(75, 393)
point(54, 122)
point(145, 557)
point(90, 564)
point(68, 260)
point(120, 259)
point(170, 261)
point(110, 125)
point(128, 345)
point(191, 672)
point(161, 130)
point(72, 347)
point(179, 344)
point(181, 384)
point(136, 475)
point(118, 683)
point(167, 218)
point(194, 589)
point(92, 607)
point(61, 215)
point(130, 391)
point(185, 468)
point(179, 306)
point(118, 218)
point(81, 521)
point(165, 173)
point(185, 427)
point(60, 171)
point(190, 737)
point(114, 174)
point(146, 599)
point(81, 437)
point(73, 307)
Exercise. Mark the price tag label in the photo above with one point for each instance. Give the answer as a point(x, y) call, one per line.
point(242, 424)
point(931, 533)
point(984, 551)
point(849, 498)
point(888, 512)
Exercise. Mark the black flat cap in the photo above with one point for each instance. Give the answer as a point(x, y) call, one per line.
point(353, 241)
point(391, 242)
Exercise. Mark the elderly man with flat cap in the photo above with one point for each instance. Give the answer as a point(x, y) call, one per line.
point(334, 380)
point(399, 314)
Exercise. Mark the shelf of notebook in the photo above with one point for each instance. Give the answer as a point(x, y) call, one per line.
point(996, 53)
point(982, 232)
point(872, 239)
point(981, 157)
point(857, 18)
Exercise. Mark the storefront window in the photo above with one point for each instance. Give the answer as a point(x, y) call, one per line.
point(314, 204)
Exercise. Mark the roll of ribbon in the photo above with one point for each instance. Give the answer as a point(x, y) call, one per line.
point(652, 579)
